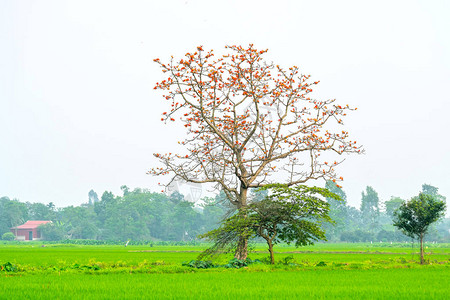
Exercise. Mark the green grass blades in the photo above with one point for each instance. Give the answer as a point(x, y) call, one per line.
point(318, 284)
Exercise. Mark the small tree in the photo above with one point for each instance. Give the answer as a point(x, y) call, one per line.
point(247, 118)
point(414, 217)
point(286, 215)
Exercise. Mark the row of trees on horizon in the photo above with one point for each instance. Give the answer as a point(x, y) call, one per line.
point(140, 214)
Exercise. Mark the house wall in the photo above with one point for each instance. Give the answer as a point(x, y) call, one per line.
point(23, 234)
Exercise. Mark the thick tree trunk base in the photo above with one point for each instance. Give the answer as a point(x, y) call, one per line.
point(242, 249)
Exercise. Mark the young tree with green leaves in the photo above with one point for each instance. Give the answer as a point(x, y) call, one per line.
point(414, 217)
point(287, 214)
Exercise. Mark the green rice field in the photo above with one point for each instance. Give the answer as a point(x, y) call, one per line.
point(322, 271)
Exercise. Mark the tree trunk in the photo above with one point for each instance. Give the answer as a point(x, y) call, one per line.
point(272, 259)
point(242, 247)
point(241, 250)
point(421, 249)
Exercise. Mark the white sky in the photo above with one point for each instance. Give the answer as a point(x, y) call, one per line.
point(77, 108)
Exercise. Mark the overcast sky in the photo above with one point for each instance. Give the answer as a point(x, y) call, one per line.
point(78, 112)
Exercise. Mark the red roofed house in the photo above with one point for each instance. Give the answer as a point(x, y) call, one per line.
point(28, 231)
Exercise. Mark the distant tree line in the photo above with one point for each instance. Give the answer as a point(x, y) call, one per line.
point(136, 215)
point(374, 220)
point(140, 214)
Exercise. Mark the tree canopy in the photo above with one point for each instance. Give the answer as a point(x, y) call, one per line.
point(416, 215)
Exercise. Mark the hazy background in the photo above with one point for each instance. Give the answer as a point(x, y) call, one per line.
point(78, 110)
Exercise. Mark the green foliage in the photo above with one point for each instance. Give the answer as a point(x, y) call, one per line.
point(79, 222)
point(338, 212)
point(40, 211)
point(93, 197)
point(415, 216)
point(370, 210)
point(12, 213)
point(294, 214)
point(130, 243)
point(53, 231)
point(199, 264)
point(286, 214)
point(386, 236)
point(92, 267)
point(288, 261)
point(143, 216)
point(8, 267)
point(226, 237)
point(357, 236)
point(233, 263)
point(392, 205)
point(8, 236)
point(138, 215)
point(240, 263)
point(433, 191)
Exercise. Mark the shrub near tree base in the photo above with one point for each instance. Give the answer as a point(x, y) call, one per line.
point(234, 263)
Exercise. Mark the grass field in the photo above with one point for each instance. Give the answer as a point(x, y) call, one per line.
point(324, 271)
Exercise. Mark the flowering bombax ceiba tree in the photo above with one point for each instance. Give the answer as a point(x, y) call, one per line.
point(248, 119)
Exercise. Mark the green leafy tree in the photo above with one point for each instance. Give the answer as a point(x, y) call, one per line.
point(159, 210)
point(176, 197)
point(12, 213)
point(40, 211)
point(415, 216)
point(392, 205)
point(183, 224)
point(55, 231)
point(103, 207)
point(287, 214)
point(93, 197)
point(370, 211)
point(129, 217)
point(438, 230)
point(80, 222)
point(338, 211)
point(433, 191)
point(125, 189)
